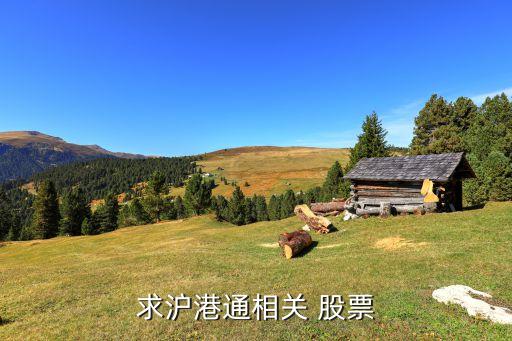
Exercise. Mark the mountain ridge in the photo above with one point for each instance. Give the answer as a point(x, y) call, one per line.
point(24, 153)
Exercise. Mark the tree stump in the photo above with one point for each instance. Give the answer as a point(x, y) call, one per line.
point(294, 243)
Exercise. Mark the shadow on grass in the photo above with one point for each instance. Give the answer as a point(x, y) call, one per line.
point(333, 229)
point(474, 207)
point(306, 251)
point(5, 321)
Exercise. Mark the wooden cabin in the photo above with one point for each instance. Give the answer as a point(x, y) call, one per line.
point(396, 182)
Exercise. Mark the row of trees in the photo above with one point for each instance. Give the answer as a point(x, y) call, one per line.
point(72, 214)
point(483, 132)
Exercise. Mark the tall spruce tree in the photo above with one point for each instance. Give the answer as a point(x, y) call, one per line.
point(371, 143)
point(221, 209)
point(440, 126)
point(489, 141)
point(198, 194)
point(153, 202)
point(237, 207)
point(181, 209)
point(261, 208)
point(5, 216)
point(75, 209)
point(46, 211)
point(274, 208)
point(334, 185)
point(108, 214)
point(287, 204)
point(250, 210)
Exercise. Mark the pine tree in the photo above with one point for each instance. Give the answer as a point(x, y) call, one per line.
point(440, 126)
point(250, 211)
point(261, 208)
point(287, 204)
point(274, 208)
point(489, 141)
point(5, 216)
point(313, 195)
point(46, 211)
point(198, 194)
point(181, 210)
point(75, 209)
point(221, 209)
point(108, 214)
point(153, 201)
point(371, 143)
point(87, 227)
point(334, 185)
point(156, 184)
point(237, 207)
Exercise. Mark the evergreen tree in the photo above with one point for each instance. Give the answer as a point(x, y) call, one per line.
point(181, 210)
point(287, 204)
point(75, 209)
point(5, 216)
point(87, 227)
point(46, 211)
point(153, 202)
point(198, 194)
point(169, 209)
point(371, 143)
point(440, 126)
point(250, 211)
point(108, 213)
point(261, 208)
point(221, 209)
point(489, 140)
point(313, 195)
point(237, 207)
point(156, 184)
point(274, 208)
point(334, 185)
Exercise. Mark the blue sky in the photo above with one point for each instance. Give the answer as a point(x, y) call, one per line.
point(184, 77)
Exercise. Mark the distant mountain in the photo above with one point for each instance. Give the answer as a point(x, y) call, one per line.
point(24, 153)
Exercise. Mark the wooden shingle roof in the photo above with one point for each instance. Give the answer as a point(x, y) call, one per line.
point(436, 167)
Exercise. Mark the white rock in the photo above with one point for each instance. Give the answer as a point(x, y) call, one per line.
point(460, 294)
point(349, 216)
point(306, 228)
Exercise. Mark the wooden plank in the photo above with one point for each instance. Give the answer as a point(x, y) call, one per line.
point(393, 201)
point(388, 194)
point(388, 188)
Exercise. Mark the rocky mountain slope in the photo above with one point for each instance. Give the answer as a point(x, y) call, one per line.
point(24, 153)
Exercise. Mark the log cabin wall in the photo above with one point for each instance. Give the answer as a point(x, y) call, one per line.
point(372, 193)
point(397, 181)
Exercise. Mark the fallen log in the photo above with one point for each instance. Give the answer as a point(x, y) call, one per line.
point(294, 243)
point(324, 207)
point(317, 223)
point(334, 213)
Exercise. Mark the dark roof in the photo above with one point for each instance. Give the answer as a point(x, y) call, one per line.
point(436, 167)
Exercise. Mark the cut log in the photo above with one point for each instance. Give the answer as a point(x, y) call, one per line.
point(294, 243)
point(324, 207)
point(326, 214)
point(317, 223)
point(385, 209)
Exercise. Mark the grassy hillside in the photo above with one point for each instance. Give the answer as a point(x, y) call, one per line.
point(271, 170)
point(87, 287)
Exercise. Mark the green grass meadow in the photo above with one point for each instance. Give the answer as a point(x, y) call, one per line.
point(87, 287)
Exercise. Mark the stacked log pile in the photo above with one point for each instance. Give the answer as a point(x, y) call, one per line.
point(294, 243)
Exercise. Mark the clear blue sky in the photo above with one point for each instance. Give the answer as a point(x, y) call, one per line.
point(183, 77)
